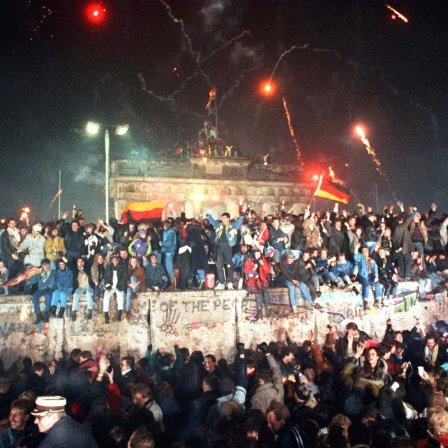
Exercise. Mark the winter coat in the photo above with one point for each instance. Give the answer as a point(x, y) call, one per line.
point(336, 239)
point(155, 274)
point(122, 276)
point(422, 228)
point(140, 273)
point(64, 279)
point(360, 375)
point(272, 390)
point(140, 248)
point(169, 241)
point(44, 280)
point(363, 268)
point(298, 239)
point(197, 415)
point(311, 233)
point(10, 241)
point(96, 276)
point(34, 246)
point(288, 228)
point(73, 240)
point(67, 433)
point(402, 237)
point(256, 273)
point(304, 275)
point(274, 235)
point(231, 229)
point(340, 269)
point(197, 240)
point(55, 248)
point(284, 271)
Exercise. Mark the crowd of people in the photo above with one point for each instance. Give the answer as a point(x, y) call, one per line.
point(207, 145)
point(351, 391)
point(365, 252)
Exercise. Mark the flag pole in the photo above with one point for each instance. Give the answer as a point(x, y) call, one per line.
point(59, 198)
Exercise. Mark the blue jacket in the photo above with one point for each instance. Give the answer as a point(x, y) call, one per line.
point(239, 259)
point(342, 268)
point(155, 275)
point(64, 279)
point(169, 241)
point(274, 235)
point(43, 281)
point(363, 270)
point(231, 229)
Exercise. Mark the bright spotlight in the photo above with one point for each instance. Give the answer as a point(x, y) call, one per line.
point(92, 127)
point(122, 129)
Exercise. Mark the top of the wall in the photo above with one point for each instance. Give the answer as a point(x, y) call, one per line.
point(207, 168)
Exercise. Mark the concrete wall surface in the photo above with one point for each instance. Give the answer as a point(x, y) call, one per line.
point(212, 321)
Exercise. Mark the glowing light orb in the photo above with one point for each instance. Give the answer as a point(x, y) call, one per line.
point(267, 88)
point(95, 13)
point(360, 131)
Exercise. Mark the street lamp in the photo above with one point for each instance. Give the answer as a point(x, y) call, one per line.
point(93, 129)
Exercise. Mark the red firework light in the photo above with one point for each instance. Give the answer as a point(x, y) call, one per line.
point(96, 13)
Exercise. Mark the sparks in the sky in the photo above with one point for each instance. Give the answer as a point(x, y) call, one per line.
point(360, 131)
point(40, 14)
point(294, 47)
point(291, 131)
point(397, 14)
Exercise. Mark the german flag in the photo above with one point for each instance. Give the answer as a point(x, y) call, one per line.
point(330, 190)
point(142, 210)
point(25, 275)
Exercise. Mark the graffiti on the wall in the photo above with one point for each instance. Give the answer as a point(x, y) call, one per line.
point(96, 326)
point(184, 316)
point(170, 319)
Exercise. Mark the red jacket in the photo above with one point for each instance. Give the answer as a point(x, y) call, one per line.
point(256, 274)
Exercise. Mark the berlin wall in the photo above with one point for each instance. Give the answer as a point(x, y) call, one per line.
point(211, 321)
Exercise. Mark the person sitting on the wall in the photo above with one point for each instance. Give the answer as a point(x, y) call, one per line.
point(156, 278)
point(115, 281)
point(46, 283)
point(81, 286)
point(64, 287)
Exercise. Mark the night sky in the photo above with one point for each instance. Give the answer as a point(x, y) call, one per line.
point(151, 64)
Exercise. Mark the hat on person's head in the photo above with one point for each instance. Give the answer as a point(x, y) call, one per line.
point(226, 387)
point(116, 256)
point(290, 256)
point(37, 227)
point(49, 404)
